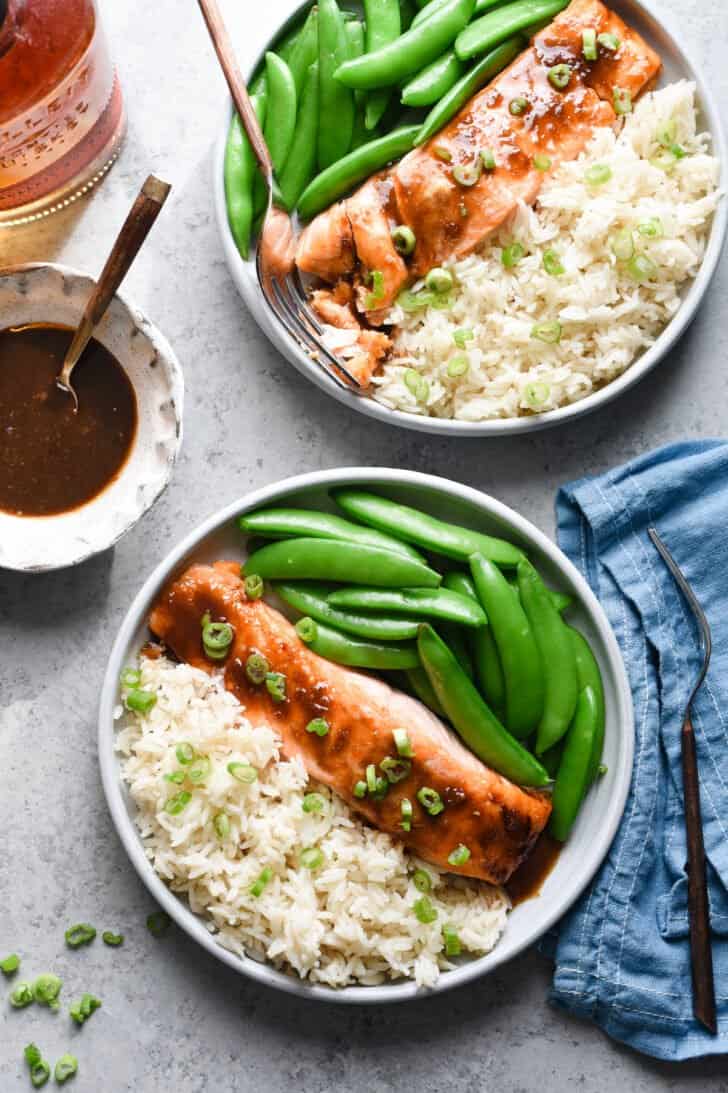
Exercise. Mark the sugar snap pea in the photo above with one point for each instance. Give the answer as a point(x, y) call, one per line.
point(332, 560)
point(341, 177)
point(407, 12)
point(517, 649)
point(472, 718)
point(557, 658)
point(572, 778)
point(589, 675)
point(560, 600)
point(434, 5)
point(240, 172)
point(495, 26)
point(355, 653)
point(488, 671)
point(311, 599)
point(283, 47)
point(419, 681)
point(434, 81)
point(282, 523)
point(436, 603)
point(383, 26)
point(467, 85)
point(414, 526)
point(300, 166)
point(410, 52)
point(303, 51)
point(457, 643)
point(336, 102)
point(280, 120)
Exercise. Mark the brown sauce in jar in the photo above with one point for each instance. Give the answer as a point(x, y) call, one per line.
point(529, 878)
point(52, 459)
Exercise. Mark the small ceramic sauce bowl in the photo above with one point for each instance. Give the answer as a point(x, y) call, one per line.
point(54, 294)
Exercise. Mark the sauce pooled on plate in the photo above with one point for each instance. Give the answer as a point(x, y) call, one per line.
point(52, 459)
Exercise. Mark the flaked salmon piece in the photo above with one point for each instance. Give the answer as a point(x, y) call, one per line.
point(496, 820)
point(372, 217)
point(360, 349)
point(326, 247)
point(449, 219)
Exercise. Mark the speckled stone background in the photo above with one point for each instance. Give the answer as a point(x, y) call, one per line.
point(173, 1018)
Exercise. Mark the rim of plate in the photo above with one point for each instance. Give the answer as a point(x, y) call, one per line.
point(195, 926)
point(243, 273)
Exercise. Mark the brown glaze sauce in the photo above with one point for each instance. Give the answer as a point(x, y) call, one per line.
point(52, 459)
point(529, 878)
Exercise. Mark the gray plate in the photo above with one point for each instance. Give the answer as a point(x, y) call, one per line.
point(643, 17)
point(599, 818)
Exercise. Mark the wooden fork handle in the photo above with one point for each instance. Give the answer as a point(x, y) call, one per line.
point(231, 70)
point(137, 226)
point(701, 955)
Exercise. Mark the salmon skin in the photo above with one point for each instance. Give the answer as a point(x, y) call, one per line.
point(449, 219)
point(497, 821)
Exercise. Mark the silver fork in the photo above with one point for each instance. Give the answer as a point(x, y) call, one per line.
point(277, 275)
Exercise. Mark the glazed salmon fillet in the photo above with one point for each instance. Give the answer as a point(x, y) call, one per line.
point(449, 219)
point(498, 821)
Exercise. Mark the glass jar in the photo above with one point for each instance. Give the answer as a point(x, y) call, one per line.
point(61, 111)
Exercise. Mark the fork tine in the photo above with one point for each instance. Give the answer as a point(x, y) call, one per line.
point(299, 322)
point(298, 292)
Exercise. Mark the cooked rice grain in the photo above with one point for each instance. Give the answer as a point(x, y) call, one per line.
point(351, 920)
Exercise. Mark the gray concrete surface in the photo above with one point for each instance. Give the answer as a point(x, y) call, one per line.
point(173, 1019)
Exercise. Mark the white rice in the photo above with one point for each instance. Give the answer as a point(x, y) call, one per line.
point(349, 921)
point(607, 319)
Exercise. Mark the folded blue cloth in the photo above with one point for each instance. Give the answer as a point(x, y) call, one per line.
point(622, 953)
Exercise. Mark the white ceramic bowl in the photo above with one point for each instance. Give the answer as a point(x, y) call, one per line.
point(643, 15)
point(218, 537)
point(39, 293)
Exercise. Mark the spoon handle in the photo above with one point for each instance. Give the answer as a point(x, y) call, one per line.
point(136, 227)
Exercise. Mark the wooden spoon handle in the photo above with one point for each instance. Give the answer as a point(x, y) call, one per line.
point(231, 71)
point(701, 956)
point(137, 226)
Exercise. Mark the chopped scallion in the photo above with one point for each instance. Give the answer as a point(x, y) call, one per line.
point(253, 586)
point(488, 159)
point(623, 245)
point(518, 106)
point(258, 886)
point(360, 789)
point(80, 934)
point(439, 280)
point(307, 629)
point(319, 726)
point(430, 800)
point(275, 683)
point(467, 174)
point(667, 133)
point(200, 770)
point(221, 824)
point(217, 637)
point(32, 1054)
point(597, 174)
point(21, 996)
point(651, 228)
point(458, 366)
point(311, 857)
point(641, 268)
point(377, 293)
point(621, 100)
point(451, 939)
point(158, 923)
point(536, 395)
point(559, 76)
point(371, 777)
point(407, 813)
point(512, 255)
point(46, 989)
point(552, 263)
point(177, 777)
point(589, 44)
point(416, 384)
point(404, 240)
point(178, 803)
point(424, 910)
point(402, 743)
point(460, 337)
point(608, 41)
point(81, 1011)
point(131, 677)
point(459, 855)
point(549, 332)
point(313, 802)
point(422, 881)
point(139, 701)
point(65, 1068)
point(442, 153)
point(185, 753)
point(243, 772)
point(10, 964)
point(257, 668)
point(541, 162)
point(110, 938)
point(395, 769)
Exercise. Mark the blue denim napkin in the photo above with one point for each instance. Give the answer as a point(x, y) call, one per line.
point(622, 953)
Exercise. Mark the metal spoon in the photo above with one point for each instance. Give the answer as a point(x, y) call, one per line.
point(701, 955)
point(135, 229)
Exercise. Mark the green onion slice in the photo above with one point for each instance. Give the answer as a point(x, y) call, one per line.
point(360, 789)
point(430, 800)
point(488, 159)
point(667, 133)
point(217, 637)
point(559, 76)
point(307, 629)
point(467, 174)
point(200, 770)
point(275, 683)
point(139, 701)
point(641, 268)
point(439, 280)
point(221, 824)
point(512, 255)
point(452, 940)
point(254, 586)
point(32, 1054)
point(609, 41)
point(442, 153)
point(623, 245)
point(21, 996)
point(80, 934)
point(407, 813)
point(552, 263)
point(10, 964)
point(402, 743)
point(39, 1074)
point(621, 100)
point(257, 668)
point(404, 240)
point(537, 394)
point(424, 911)
point(416, 384)
point(65, 1068)
point(459, 855)
point(422, 881)
point(185, 753)
point(461, 337)
point(178, 803)
point(131, 677)
point(651, 228)
point(258, 886)
point(110, 938)
point(549, 332)
point(177, 777)
point(597, 174)
point(458, 366)
point(311, 857)
point(46, 989)
point(81, 1011)
point(541, 162)
point(243, 772)
point(313, 802)
point(395, 769)
point(371, 777)
point(158, 923)
point(518, 106)
point(377, 293)
point(589, 44)
point(319, 726)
